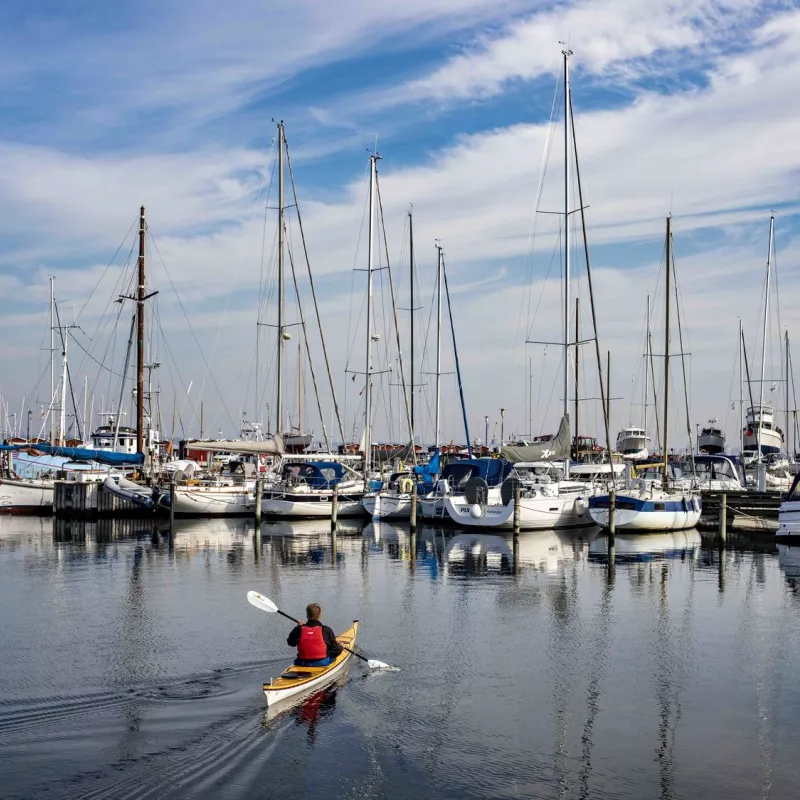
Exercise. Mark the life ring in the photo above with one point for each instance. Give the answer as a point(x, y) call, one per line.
point(406, 485)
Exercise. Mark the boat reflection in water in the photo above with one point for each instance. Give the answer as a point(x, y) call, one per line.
point(635, 547)
point(310, 541)
point(476, 553)
point(789, 563)
point(543, 551)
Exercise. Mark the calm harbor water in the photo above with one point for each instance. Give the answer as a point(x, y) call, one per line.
point(132, 664)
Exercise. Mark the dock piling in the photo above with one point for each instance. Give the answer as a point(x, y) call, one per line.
point(259, 497)
point(413, 517)
point(517, 497)
point(723, 516)
point(335, 507)
point(171, 506)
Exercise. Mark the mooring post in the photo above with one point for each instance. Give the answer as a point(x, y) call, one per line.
point(171, 506)
point(723, 516)
point(335, 507)
point(413, 517)
point(259, 497)
point(517, 496)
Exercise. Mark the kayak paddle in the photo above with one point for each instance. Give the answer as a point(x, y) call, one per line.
point(265, 604)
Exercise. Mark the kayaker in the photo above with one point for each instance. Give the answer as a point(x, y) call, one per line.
point(316, 643)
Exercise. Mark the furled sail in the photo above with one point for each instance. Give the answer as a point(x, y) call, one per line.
point(262, 447)
point(554, 450)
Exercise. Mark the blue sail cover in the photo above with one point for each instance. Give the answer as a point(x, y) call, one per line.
point(428, 471)
point(81, 454)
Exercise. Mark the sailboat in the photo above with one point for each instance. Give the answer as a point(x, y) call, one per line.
point(548, 499)
point(394, 501)
point(653, 508)
point(308, 489)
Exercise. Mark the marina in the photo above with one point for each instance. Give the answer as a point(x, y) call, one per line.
point(398, 401)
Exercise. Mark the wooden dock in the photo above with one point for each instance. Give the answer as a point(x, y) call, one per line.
point(756, 512)
point(90, 500)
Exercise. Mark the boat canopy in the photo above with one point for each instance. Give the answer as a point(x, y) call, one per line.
point(554, 450)
point(493, 470)
point(317, 475)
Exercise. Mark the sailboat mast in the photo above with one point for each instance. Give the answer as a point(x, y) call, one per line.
point(62, 412)
point(646, 365)
point(140, 298)
point(741, 391)
point(411, 307)
point(373, 164)
point(279, 362)
point(52, 359)
point(577, 337)
point(665, 472)
point(766, 329)
point(299, 388)
point(438, 342)
point(567, 104)
point(786, 435)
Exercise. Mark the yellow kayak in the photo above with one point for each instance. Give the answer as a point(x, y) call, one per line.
point(295, 679)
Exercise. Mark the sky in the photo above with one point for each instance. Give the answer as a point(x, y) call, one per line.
point(681, 108)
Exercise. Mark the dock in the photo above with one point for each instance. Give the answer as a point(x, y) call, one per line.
point(756, 512)
point(90, 500)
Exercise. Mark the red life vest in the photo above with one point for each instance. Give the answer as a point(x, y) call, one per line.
point(311, 646)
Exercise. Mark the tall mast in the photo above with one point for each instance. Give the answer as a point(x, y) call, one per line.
point(62, 412)
point(299, 388)
point(411, 307)
point(567, 104)
point(646, 365)
point(786, 434)
point(279, 369)
point(373, 168)
point(577, 337)
point(665, 473)
point(140, 298)
point(52, 359)
point(741, 391)
point(766, 328)
point(438, 342)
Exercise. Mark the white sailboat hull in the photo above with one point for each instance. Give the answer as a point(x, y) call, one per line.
point(26, 497)
point(535, 513)
point(388, 505)
point(651, 514)
point(226, 501)
point(310, 508)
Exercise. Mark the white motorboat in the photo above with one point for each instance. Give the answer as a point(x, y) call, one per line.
point(632, 443)
point(761, 428)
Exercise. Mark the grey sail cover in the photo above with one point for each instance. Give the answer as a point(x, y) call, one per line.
point(262, 447)
point(555, 450)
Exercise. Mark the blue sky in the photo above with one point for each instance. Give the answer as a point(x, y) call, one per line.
point(681, 106)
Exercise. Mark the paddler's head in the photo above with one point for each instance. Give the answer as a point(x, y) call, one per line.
point(313, 611)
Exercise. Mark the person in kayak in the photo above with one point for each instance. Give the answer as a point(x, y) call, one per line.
point(316, 643)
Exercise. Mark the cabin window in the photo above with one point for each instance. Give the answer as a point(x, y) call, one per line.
point(658, 506)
